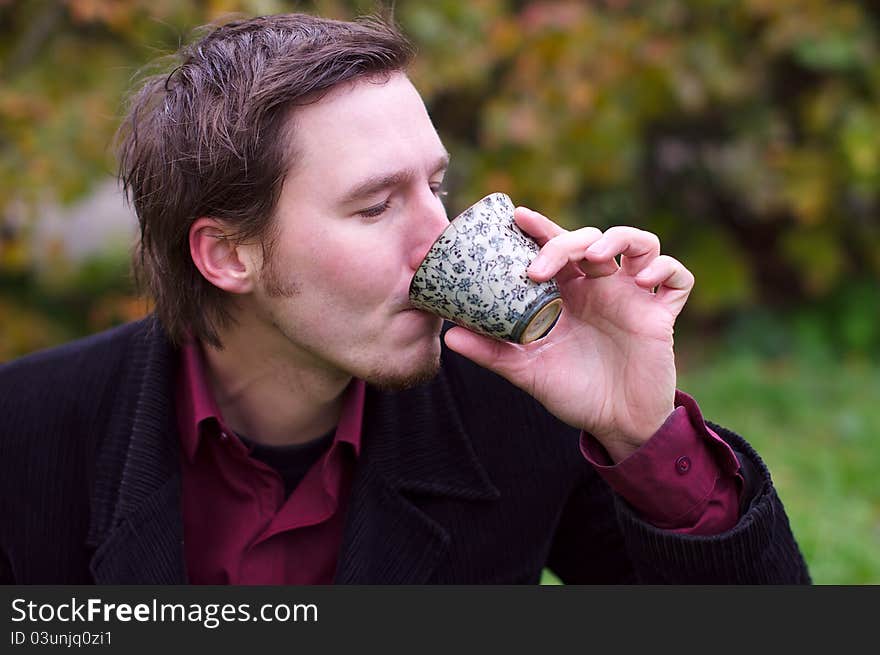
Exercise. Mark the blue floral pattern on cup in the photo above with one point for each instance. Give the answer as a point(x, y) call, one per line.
point(475, 273)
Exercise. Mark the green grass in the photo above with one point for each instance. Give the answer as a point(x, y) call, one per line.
point(816, 424)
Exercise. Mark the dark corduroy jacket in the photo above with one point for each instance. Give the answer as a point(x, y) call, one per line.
point(463, 480)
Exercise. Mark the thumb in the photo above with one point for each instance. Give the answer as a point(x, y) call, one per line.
point(498, 356)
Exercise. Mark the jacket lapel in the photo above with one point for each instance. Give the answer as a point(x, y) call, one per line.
point(414, 444)
point(136, 524)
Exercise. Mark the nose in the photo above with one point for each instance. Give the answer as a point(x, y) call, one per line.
point(430, 221)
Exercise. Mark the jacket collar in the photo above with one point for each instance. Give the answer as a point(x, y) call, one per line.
point(414, 445)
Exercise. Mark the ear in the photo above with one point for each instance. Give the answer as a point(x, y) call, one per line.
point(223, 263)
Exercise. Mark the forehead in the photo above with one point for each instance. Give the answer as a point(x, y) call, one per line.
point(362, 126)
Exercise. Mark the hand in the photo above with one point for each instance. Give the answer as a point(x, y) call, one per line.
point(607, 367)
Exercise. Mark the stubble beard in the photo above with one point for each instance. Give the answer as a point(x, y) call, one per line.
point(422, 368)
point(274, 284)
point(381, 377)
point(390, 381)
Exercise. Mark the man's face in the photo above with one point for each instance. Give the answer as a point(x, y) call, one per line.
point(357, 213)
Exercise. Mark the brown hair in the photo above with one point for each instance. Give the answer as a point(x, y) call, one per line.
point(212, 138)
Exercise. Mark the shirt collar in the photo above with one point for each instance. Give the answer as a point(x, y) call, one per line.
point(196, 405)
point(195, 401)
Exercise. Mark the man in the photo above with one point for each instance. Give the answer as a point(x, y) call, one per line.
point(286, 417)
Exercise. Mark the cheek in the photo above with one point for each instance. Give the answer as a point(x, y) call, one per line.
point(360, 270)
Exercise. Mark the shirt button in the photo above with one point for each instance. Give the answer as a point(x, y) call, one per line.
point(683, 465)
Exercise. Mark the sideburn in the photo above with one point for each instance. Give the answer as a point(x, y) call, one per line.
point(276, 283)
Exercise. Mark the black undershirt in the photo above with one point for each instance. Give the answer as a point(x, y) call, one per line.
point(292, 462)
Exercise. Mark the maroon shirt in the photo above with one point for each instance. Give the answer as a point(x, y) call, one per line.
point(685, 478)
point(240, 529)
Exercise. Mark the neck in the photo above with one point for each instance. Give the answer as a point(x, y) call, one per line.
point(271, 393)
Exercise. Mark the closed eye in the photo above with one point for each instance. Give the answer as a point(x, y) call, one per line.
point(375, 210)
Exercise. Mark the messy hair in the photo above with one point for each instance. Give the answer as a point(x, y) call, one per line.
point(214, 138)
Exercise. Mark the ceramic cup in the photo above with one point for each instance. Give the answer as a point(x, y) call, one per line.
point(475, 276)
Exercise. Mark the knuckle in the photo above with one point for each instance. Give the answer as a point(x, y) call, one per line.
point(565, 241)
point(652, 239)
point(590, 232)
point(553, 249)
point(553, 245)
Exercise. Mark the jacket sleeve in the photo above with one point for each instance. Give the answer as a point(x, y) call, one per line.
point(588, 546)
point(6, 576)
point(600, 539)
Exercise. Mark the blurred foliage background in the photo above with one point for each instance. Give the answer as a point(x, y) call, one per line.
point(746, 133)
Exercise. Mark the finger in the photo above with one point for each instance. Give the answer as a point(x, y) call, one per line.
point(636, 247)
point(568, 248)
point(501, 357)
point(536, 225)
point(673, 281)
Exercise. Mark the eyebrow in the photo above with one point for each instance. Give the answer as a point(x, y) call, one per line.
point(381, 181)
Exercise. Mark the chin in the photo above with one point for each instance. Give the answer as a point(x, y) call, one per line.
point(398, 372)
